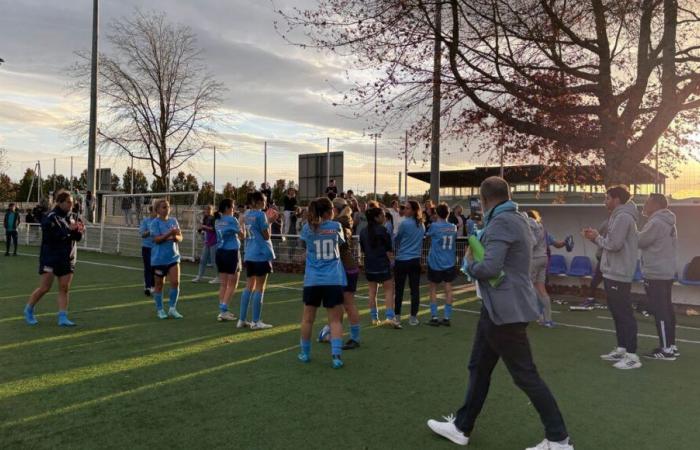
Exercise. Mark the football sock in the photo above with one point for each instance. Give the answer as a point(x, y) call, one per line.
point(305, 346)
point(374, 314)
point(223, 308)
point(245, 300)
point(390, 314)
point(158, 298)
point(448, 311)
point(174, 293)
point(336, 346)
point(257, 305)
point(434, 309)
point(355, 332)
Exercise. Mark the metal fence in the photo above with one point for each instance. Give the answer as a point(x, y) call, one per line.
point(125, 241)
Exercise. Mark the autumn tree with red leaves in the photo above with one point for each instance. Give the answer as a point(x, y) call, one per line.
point(556, 80)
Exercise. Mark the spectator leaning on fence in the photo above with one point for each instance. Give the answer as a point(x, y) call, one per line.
point(289, 204)
point(126, 210)
point(658, 242)
point(11, 224)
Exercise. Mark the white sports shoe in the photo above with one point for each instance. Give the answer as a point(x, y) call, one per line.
point(226, 317)
point(242, 324)
point(549, 445)
point(448, 430)
point(215, 281)
point(413, 321)
point(260, 325)
point(617, 354)
point(630, 361)
point(196, 280)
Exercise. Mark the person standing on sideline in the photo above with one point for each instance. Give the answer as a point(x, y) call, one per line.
point(146, 248)
point(60, 230)
point(332, 190)
point(165, 258)
point(11, 224)
point(658, 241)
point(409, 244)
point(126, 210)
point(290, 206)
point(90, 206)
point(590, 303)
point(228, 257)
point(501, 332)
point(258, 256)
point(208, 244)
point(441, 263)
point(343, 215)
point(618, 265)
point(538, 266)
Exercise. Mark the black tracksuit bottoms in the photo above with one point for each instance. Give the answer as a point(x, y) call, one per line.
point(510, 343)
point(620, 306)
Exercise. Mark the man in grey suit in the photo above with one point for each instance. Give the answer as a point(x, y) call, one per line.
point(501, 332)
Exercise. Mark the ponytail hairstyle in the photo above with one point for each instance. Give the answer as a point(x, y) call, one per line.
point(373, 219)
point(257, 197)
point(317, 209)
point(415, 206)
point(224, 205)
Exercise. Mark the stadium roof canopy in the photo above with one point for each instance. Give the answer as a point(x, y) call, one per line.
point(531, 174)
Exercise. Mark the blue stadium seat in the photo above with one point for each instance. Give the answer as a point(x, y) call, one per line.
point(638, 276)
point(684, 278)
point(580, 267)
point(557, 265)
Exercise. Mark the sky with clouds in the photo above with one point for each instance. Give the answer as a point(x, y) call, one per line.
point(276, 92)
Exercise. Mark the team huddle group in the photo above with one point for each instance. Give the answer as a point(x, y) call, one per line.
point(507, 260)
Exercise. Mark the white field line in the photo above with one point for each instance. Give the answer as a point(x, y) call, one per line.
point(469, 311)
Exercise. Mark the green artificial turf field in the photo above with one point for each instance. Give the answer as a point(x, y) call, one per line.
point(122, 379)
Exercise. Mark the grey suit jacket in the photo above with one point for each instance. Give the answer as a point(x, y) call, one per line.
point(507, 243)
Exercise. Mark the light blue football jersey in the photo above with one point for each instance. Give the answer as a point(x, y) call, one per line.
point(257, 248)
point(323, 264)
point(409, 240)
point(227, 229)
point(167, 252)
point(143, 227)
point(443, 245)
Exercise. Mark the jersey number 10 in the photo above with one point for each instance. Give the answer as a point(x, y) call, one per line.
point(325, 249)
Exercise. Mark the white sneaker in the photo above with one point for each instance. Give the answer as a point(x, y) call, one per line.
point(549, 445)
point(226, 317)
point(260, 325)
point(617, 354)
point(215, 281)
point(448, 430)
point(630, 361)
point(413, 321)
point(242, 324)
point(196, 280)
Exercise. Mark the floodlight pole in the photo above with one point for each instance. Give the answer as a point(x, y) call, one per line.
point(54, 176)
point(92, 134)
point(328, 161)
point(214, 201)
point(265, 166)
point(375, 166)
point(132, 175)
point(405, 169)
point(657, 186)
point(435, 138)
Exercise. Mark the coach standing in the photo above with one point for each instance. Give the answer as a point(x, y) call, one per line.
point(658, 241)
point(618, 265)
point(501, 331)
